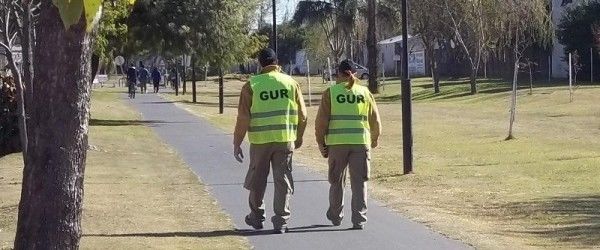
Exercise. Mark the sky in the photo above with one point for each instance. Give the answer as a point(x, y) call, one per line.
point(283, 7)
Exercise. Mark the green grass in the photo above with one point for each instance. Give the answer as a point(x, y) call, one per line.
point(540, 190)
point(138, 193)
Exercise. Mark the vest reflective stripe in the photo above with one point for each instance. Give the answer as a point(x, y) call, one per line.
point(274, 112)
point(272, 128)
point(349, 120)
point(347, 131)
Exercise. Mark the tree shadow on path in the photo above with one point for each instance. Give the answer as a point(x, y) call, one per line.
point(116, 123)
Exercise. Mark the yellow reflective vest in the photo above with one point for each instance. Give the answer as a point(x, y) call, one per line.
point(274, 111)
point(349, 120)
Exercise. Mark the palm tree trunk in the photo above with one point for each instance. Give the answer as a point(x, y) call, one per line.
point(372, 49)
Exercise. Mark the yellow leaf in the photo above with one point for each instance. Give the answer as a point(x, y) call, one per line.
point(70, 11)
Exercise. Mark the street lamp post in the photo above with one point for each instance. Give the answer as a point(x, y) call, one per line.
point(274, 35)
point(407, 132)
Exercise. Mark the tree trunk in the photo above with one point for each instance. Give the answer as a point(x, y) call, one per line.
point(430, 49)
point(183, 78)
point(473, 81)
point(20, 112)
point(193, 81)
point(530, 80)
point(513, 102)
point(372, 49)
point(221, 99)
point(27, 45)
point(52, 194)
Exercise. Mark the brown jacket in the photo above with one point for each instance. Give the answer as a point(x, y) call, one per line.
point(243, 119)
point(322, 120)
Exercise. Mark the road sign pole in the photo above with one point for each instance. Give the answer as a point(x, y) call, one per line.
point(274, 35)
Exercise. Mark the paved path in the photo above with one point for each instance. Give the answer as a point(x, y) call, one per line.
point(207, 151)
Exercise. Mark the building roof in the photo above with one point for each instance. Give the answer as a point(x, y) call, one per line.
point(395, 39)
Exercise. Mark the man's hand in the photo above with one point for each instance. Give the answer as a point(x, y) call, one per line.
point(324, 150)
point(298, 143)
point(238, 154)
point(374, 143)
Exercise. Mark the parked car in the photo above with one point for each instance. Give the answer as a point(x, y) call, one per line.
point(361, 72)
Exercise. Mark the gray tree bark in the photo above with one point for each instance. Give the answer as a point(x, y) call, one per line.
point(372, 50)
point(52, 194)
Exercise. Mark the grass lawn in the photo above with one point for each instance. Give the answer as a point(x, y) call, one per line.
point(138, 193)
point(540, 190)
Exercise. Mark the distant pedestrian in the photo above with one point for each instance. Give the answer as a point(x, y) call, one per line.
point(156, 79)
point(143, 77)
point(272, 111)
point(131, 80)
point(347, 127)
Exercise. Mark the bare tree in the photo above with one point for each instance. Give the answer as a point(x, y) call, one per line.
point(528, 23)
point(475, 26)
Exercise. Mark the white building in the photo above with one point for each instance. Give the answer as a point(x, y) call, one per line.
point(560, 67)
point(391, 56)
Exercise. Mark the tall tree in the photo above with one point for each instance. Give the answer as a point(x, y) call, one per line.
point(372, 49)
point(427, 19)
point(527, 23)
point(52, 194)
point(336, 18)
point(576, 32)
point(112, 31)
point(475, 26)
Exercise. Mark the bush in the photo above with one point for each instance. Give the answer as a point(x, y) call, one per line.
point(9, 129)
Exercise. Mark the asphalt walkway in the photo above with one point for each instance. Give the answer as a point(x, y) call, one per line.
point(208, 151)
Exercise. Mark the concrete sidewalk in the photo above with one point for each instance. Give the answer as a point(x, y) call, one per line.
point(208, 151)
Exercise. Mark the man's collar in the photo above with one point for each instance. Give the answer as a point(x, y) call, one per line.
point(270, 68)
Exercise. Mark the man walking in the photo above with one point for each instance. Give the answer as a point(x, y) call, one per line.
point(156, 79)
point(272, 111)
point(347, 127)
point(143, 77)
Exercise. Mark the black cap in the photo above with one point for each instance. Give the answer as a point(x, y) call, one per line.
point(267, 57)
point(347, 65)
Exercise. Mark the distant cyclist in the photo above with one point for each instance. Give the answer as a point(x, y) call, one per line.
point(131, 80)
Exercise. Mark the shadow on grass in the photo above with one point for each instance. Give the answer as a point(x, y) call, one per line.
point(116, 123)
point(223, 233)
point(571, 220)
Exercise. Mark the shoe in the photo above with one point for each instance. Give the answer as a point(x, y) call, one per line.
point(281, 230)
point(334, 222)
point(253, 224)
point(358, 226)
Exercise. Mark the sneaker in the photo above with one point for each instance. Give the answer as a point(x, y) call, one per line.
point(280, 230)
point(334, 222)
point(253, 224)
point(358, 226)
